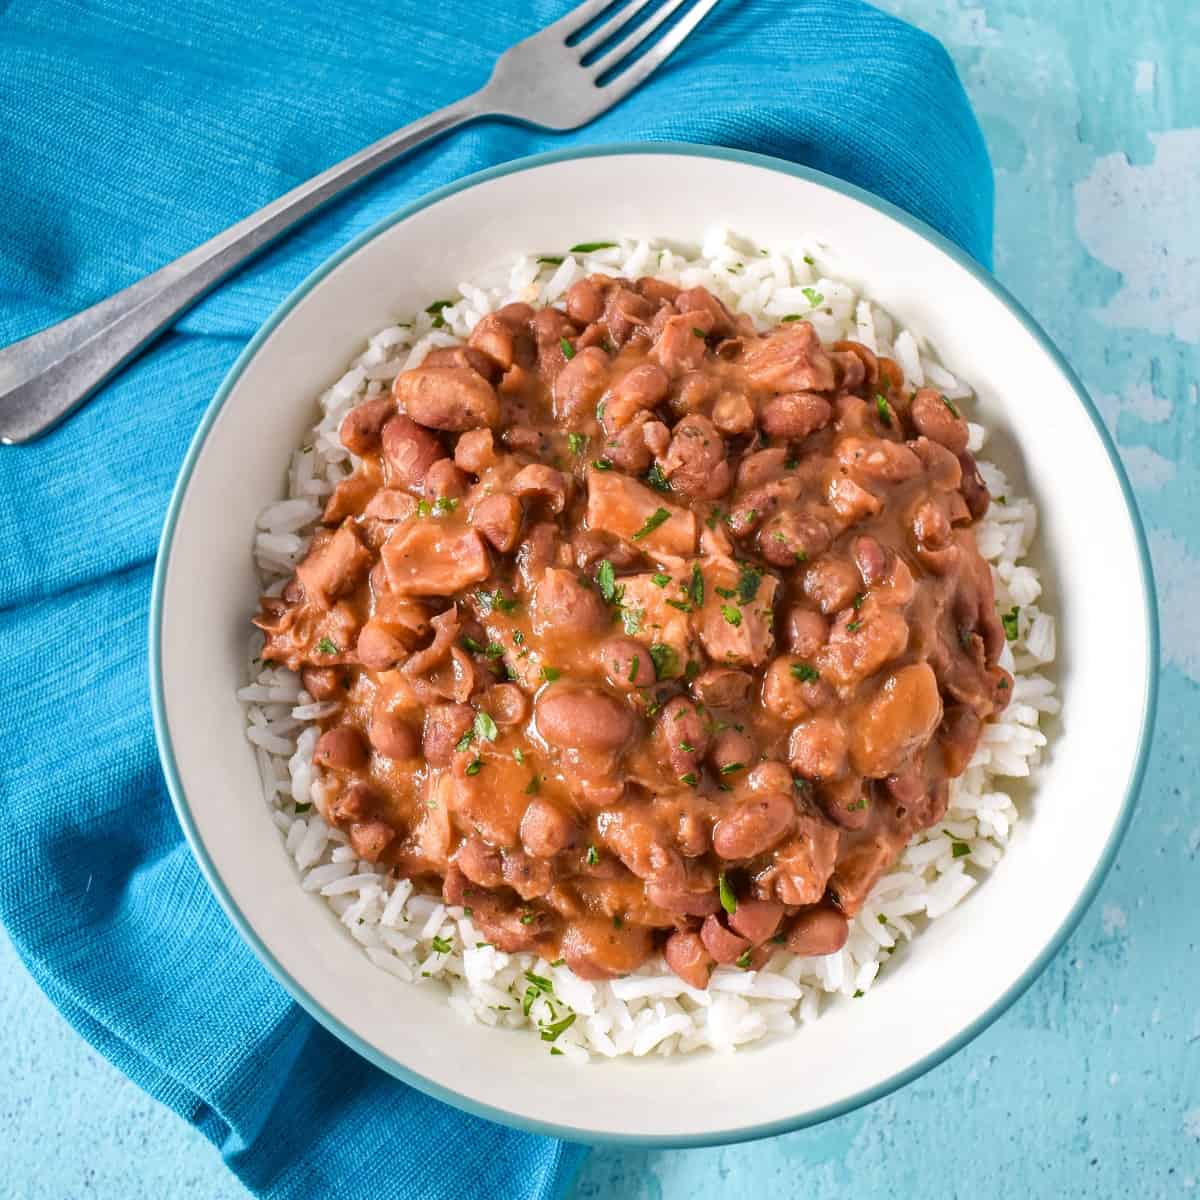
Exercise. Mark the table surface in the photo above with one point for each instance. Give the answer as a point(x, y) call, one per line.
point(1090, 1084)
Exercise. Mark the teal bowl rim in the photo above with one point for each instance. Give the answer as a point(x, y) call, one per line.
point(438, 1091)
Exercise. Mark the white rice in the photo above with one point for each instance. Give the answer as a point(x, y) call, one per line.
point(417, 938)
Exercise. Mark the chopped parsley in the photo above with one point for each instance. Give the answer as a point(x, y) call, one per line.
point(551, 260)
point(858, 805)
point(325, 646)
point(606, 580)
point(728, 899)
point(634, 663)
point(950, 405)
point(813, 297)
point(593, 856)
point(567, 349)
point(590, 247)
point(550, 674)
point(485, 727)
point(475, 766)
point(690, 779)
point(632, 618)
point(853, 626)
point(805, 672)
point(790, 318)
point(471, 644)
point(464, 742)
point(682, 605)
point(302, 808)
point(692, 669)
point(964, 638)
point(550, 1032)
point(539, 982)
point(858, 601)
point(699, 332)
point(960, 850)
point(881, 407)
point(729, 768)
point(497, 601)
point(748, 581)
point(809, 259)
point(442, 945)
point(577, 442)
point(618, 922)
point(1009, 621)
point(859, 994)
point(652, 522)
point(445, 504)
point(666, 662)
point(531, 788)
point(601, 464)
point(696, 591)
point(657, 480)
point(731, 614)
point(424, 508)
point(660, 580)
point(435, 311)
point(518, 754)
point(743, 959)
point(527, 918)
point(882, 919)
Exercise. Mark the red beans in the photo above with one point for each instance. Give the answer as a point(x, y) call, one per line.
point(754, 826)
point(796, 415)
point(817, 931)
point(933, 418)
point(370, 839)
point(545, 829)
point(393, 737)
point(724, 945)
point(804, 631)
point(584, 302)
point(627, 664)
point(445, 724)
point(498, 518)
point(685, 903)
point(361, 426)
point(732, 752)
point(379, 648)
point(583, 718)
point(452, 398)
point(409, 452)
point(322, 683)
point(687, 956)
point(683, 737)
point(597, 948)
point(756, 920)
point(341, 749)
point(695, 460)
point(817, 749)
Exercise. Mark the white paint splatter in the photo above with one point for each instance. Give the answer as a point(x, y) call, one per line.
point(1147, 468)
point(1177, 576)
point(1114, 1079)
point(1115, 920)
point(1140, 401)
point(1140, 222)
point(1191, 1123)
point(1143, 80)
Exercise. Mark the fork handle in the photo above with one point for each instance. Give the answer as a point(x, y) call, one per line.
point(45, 376)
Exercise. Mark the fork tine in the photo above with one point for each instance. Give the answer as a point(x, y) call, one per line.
point(634, 38)
point(658, 54)
point(576, 19)
point(605, 31)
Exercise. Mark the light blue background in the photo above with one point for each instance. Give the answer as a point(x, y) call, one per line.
point(1090, 1085)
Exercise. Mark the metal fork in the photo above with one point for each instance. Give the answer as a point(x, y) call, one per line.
point(541, 81)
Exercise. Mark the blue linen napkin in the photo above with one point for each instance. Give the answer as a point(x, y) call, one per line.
point(133, 131)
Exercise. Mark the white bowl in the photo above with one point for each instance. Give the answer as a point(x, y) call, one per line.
point(967, 967)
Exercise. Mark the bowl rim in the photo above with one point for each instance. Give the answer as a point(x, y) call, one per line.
point(432, 1087)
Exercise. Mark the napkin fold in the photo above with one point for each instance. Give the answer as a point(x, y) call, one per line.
point(133, 131)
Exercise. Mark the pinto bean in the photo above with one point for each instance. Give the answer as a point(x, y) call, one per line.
point(409, 451)
point(756, 920)
point(475, 451)
point(687, 956)
point(805, 863)
point(595, 948)
point(445, 481)
point(341, 749)
point(700, 299)
point(580, 384)
point(723, 944)
point(784, 692)
point(899, 719)
point(640, 389)
point(565, 605)
point(732, 413)
point(453, 398)
point(445, 725)
point(682, 736)
point(871, 559)
point(625, 313)
point(583, 718)
point(539, 482)
point(362, 425)
point(323, 683)
point(657, 290)
point(754, 826)
point(681, 344)
point(627, 664)
point(369, 839)
point(585, 301)
point(817, 931)
point(529, 877)
point(393, 737)
point(379, 648)
point(505, 703)
point(480, 862)
point(627, 449)
point(546, 830)
point(793, 536)
point(804, 631)
point(795, 415)
point(498, 518)
point(770, 776)
point(731, 749)
point(831, 583)
point(695, 460)
point(932, 417)
point(464, 356)
point(817, 748)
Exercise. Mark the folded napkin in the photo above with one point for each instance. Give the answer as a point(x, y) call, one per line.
point(133, 131)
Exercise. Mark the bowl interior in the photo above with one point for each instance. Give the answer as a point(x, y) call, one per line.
point(962, 971)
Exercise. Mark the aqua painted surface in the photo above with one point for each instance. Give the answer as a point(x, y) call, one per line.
point(1090, 1085)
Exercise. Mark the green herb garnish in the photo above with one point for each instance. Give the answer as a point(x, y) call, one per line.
point(475, 766)
point(485, 727)
point(552, 260)
point(657, 480)
point(813, 297)
point(325, 646)
point(442, 945)
point(445, 504)
point(652, 522)
point(606, 580)
point(302, 808)
point(577, 442)
point(601, 464)
point(748, 582)
point(805, 673)
point(532, 787)
point(728, 899)
point(589, 247)
point(567, 349)
point(550, 1032)
point(729, 768)
point(593, 856)
point(881, 407)
point(1009, 621)
point(690, 779)
point(960, 850)
point(550, 674)
point(661, 580)
point(743, 959)
point(853, 626)
point(665, 661)
point(731, 614)
point(464, 742)
point(950, 405)
point(634, 663)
